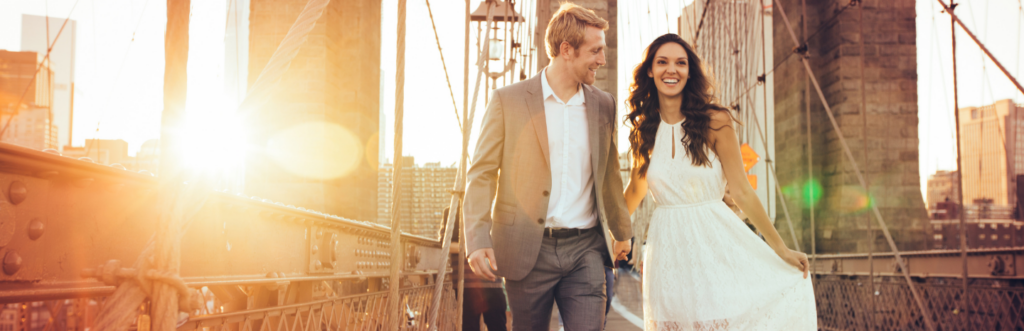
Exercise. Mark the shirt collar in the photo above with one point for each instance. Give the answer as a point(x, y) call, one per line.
point(576, 100)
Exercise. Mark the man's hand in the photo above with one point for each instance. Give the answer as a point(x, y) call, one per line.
point(482, 261)
point(621, 249)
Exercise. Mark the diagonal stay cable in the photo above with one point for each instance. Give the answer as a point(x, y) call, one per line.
point(982, 46)
point(46, 59)
point(696, 36)
point(799, 49)
point(443, 65)
point(283, 55)
point(925, 314)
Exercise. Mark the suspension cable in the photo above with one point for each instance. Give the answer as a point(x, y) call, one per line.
point(443, 65)
point(925, 314)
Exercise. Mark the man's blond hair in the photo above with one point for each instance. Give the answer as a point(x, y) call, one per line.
point(569, 24)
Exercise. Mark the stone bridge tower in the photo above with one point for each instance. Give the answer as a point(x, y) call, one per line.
point(889, 80)
point(334, 80)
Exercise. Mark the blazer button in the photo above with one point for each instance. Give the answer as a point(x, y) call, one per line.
point(546, 193)
point(540, 221)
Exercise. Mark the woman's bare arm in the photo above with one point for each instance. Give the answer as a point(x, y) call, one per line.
point(727, 147)
point(636, 190)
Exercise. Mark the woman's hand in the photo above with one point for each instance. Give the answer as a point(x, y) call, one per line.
point(796, 259)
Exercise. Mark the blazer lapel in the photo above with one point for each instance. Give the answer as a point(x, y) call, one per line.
point(596, 134)
point(535, 102)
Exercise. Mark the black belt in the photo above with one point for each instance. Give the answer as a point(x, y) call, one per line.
point(564, 232)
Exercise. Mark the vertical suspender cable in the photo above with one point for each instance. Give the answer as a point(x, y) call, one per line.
point(397, 252)
point(810, 149)
point(959, 167)
point(925, 314)
point(864, 148)
point(462, 225)
point(767, 156)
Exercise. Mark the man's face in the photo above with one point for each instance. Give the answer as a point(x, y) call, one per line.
point(583, 62)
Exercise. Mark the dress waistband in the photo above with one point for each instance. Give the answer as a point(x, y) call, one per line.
point(689, 205)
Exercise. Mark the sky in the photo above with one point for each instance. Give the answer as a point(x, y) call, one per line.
point(120, 66)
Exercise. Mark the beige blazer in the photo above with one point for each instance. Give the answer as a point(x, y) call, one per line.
point(510, 178)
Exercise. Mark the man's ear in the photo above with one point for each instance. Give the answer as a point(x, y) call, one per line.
point(565, 49)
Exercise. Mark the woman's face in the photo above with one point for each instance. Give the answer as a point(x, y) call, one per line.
point(670, 70)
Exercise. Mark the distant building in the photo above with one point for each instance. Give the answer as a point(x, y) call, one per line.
point(981, 233)
point(36, 37)
point(24, 78)
point(148, 157)
point(103, 151)
point(943, 186)
point(425, 193)
point(31, 128)
point(992, 152)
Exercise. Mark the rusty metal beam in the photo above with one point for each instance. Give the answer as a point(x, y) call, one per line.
point(59, 216)
point(990, 263)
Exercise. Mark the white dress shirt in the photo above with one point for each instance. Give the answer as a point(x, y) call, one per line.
point(571, 203)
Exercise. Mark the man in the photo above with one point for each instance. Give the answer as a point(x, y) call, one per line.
point(546, 161)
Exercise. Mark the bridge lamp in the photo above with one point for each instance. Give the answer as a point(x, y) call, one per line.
point(499, 11)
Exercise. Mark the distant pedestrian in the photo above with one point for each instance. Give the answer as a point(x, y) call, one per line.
point(484, 297)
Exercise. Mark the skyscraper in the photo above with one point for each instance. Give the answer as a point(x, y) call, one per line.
point(992, 152)
point(37, 33)
point(25, 79)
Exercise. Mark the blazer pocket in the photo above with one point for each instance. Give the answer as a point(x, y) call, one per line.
point(504, 217)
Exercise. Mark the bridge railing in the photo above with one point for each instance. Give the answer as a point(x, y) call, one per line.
point(857, 303)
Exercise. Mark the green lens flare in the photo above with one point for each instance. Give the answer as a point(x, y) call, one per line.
point(812, 192)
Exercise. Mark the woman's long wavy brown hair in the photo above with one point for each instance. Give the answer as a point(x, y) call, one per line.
point(644, 118)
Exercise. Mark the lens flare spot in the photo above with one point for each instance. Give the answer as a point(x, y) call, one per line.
point(855, 200)
point(316, 150)
point(812, 192)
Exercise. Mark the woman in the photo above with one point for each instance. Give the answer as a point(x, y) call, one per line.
point(704, 269)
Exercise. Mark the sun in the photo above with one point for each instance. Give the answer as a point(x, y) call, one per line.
point(213, 138)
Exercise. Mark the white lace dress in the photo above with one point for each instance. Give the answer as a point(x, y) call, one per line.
point(704, 269)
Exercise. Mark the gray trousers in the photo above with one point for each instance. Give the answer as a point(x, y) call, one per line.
point(569, 271)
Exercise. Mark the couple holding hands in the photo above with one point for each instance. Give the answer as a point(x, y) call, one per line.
point(546, 209)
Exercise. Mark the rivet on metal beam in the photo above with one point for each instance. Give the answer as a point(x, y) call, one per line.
point(17, 192)
point(12, 263)
point(35, 229)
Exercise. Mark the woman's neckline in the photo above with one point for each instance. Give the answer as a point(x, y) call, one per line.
point(673, 124)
